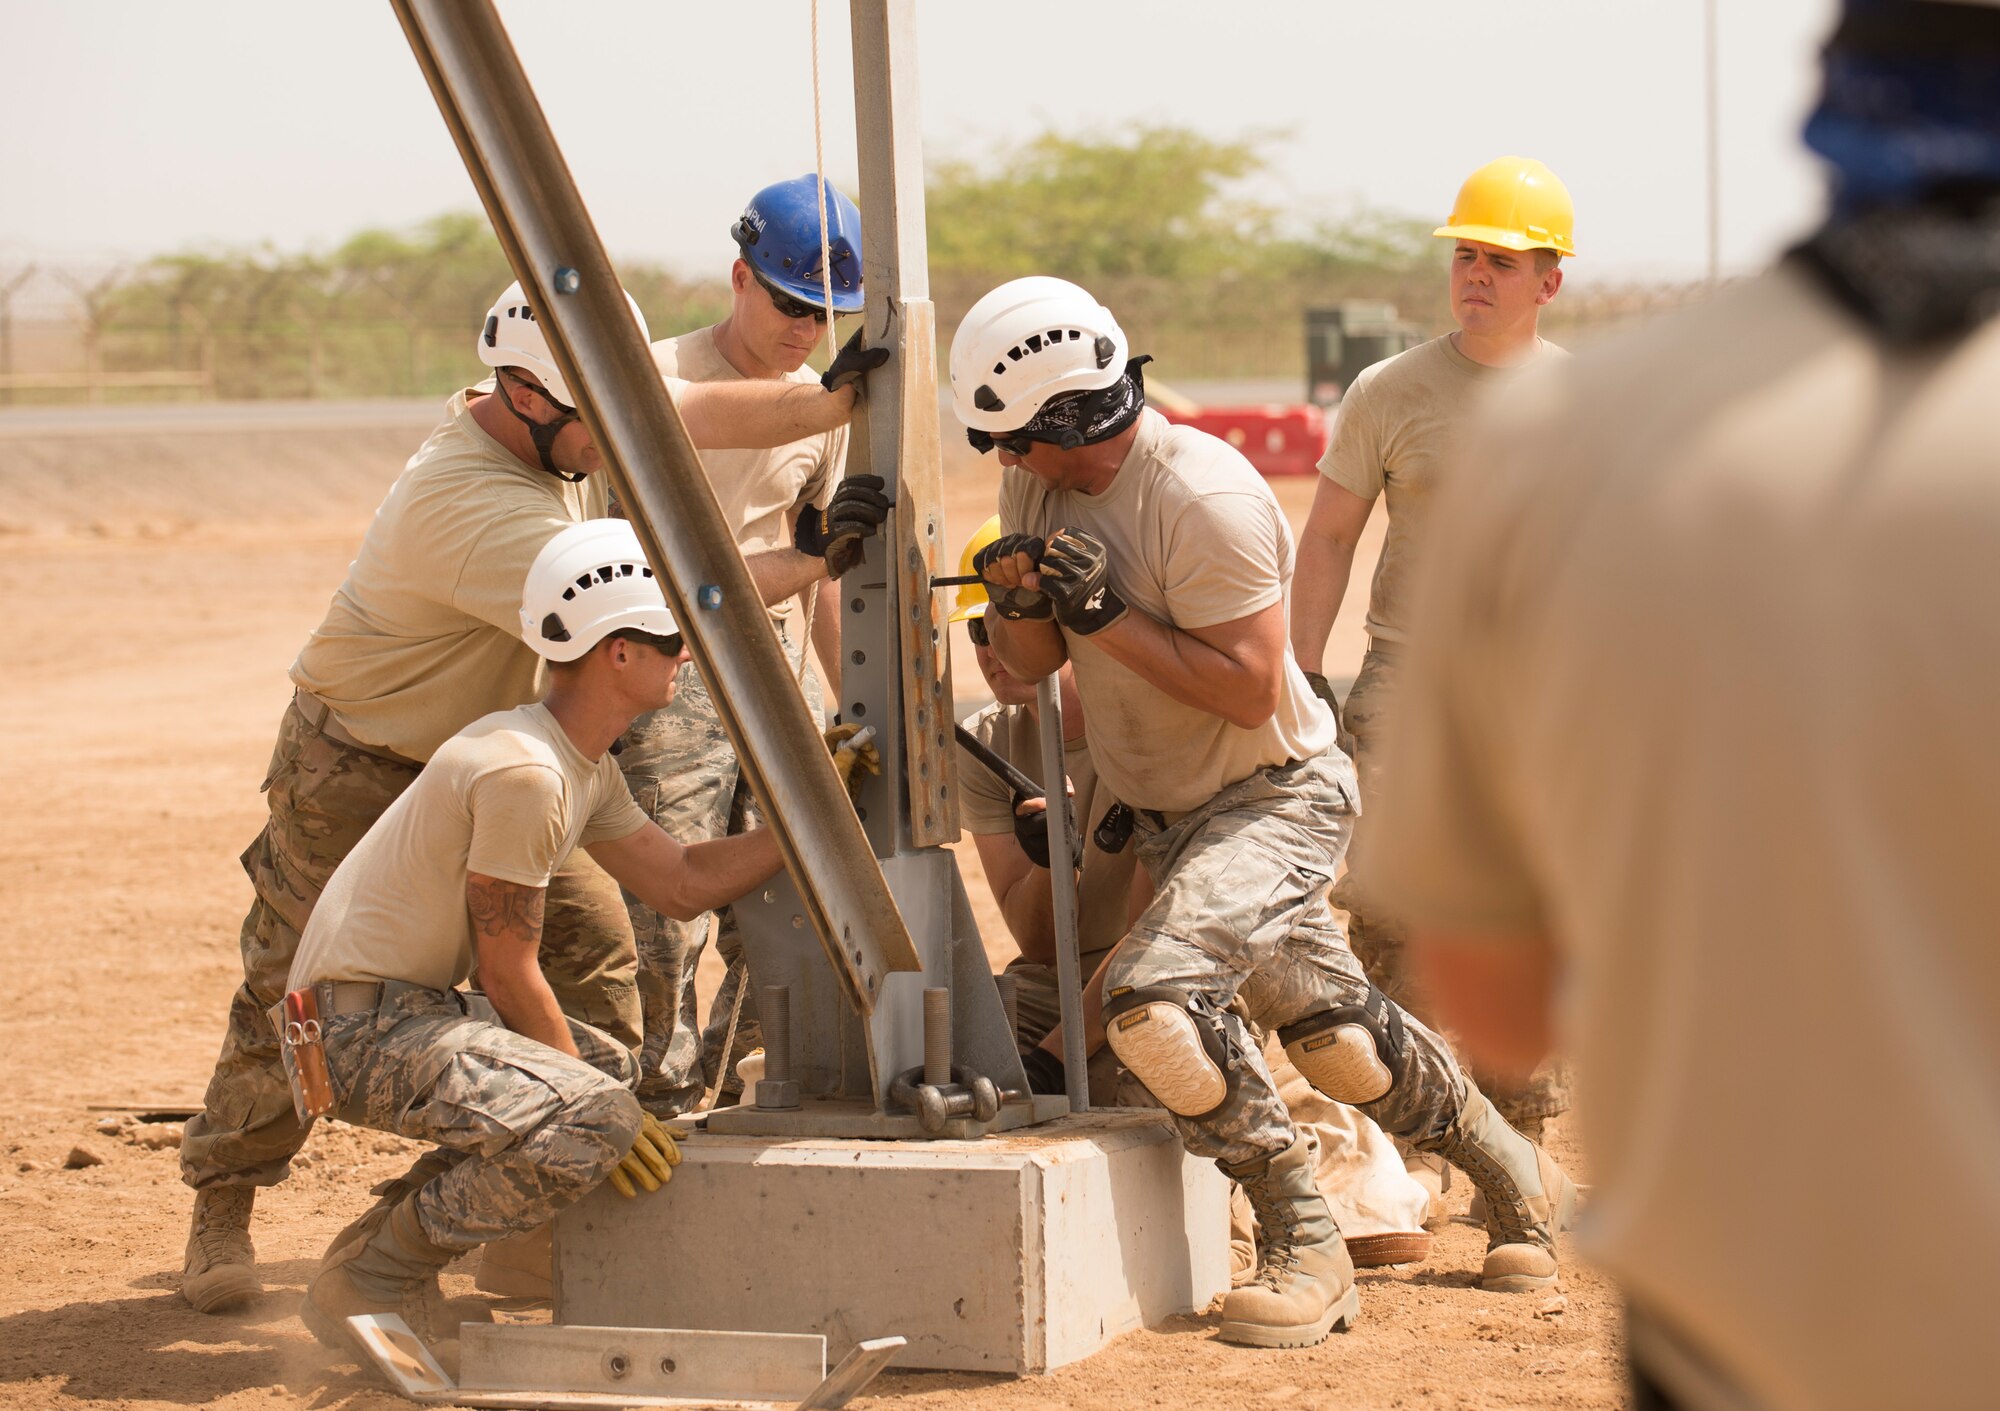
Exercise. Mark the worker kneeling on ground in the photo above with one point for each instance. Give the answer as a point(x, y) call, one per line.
point(1155, 560)
point(534, 1110)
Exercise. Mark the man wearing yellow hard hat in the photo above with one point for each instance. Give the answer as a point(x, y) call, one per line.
point(1512, 226)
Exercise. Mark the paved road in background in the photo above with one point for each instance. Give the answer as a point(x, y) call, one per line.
point(139, 420)
point(143, 420)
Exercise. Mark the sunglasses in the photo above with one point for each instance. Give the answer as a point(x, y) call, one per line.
point(668, 646)
point(1014, 443)
point(787, 305)
point(975, 628)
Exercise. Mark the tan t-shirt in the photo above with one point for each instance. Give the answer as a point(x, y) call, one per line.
point(1196, 538)
point(509, 796)
point(425, 633)
point(1392, 436)
point(1704, 688)
point(758, 489)
point(986, 805)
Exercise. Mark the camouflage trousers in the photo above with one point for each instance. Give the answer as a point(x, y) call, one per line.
point(1380, 944)
point(1240, 913)
point(531, 1128)
point(1037, 1003)
point(683, 772)
point(1037, 1011)
point(324, 795)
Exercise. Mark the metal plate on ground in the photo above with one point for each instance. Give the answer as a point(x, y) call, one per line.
point(570, 1368)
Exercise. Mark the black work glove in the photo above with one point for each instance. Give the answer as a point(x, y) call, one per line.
point(855, 511)
point(1076, 576)
point(1046, 1073)
point(1013, 604)
point(852, 363)
point(1322, 688)
point(1031, 829)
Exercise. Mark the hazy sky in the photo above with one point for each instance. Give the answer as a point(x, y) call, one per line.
point(138, 128)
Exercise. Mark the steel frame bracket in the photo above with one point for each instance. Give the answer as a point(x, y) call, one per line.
point(595, 1369)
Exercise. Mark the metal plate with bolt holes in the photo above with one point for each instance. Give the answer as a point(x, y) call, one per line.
point(587, 1368)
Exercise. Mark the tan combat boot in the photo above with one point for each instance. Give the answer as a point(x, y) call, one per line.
point(1531, 1128)
point(520, 1266)
point(1304, 1284)
point(394, 1270)
point(1528, 1196)
point(220, 1270)
point(388, 1195)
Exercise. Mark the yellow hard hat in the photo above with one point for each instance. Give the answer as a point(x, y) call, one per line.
point(1515, 203)
point(972, 599)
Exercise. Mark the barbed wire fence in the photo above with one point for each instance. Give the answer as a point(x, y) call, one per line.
point(191, 329)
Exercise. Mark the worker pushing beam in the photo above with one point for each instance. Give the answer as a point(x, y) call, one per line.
point(853, 876)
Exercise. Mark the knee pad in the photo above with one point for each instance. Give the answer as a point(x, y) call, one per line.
point(1352, 1053)
point(1174, 1044)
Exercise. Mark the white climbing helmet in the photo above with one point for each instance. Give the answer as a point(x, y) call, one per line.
point(586, 583)
point(1027, 342)
point(512, 336)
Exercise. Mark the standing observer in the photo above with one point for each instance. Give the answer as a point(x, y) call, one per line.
point(1393, 440)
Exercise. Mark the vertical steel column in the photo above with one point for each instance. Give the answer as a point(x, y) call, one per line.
point(898, 440)
point(533, 203)
point(1062, 843)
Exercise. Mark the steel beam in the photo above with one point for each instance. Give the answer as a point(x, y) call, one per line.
point(1062, 847)
point(897, 436)
point(539, 216)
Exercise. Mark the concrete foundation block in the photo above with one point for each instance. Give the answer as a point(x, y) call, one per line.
point(1019, 1253)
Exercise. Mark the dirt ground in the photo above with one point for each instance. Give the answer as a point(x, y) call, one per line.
point(157, 580)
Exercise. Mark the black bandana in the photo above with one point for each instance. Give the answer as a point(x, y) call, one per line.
point(1917, 272)
point(1083, 418)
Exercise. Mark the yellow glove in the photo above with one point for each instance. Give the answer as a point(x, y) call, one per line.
point(852, 760)
point(650, 1163)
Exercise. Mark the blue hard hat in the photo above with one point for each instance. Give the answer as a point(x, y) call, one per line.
point(778, 235)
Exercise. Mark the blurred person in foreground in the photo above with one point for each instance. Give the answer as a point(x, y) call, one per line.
point(1698, 735)
point(1511, 226)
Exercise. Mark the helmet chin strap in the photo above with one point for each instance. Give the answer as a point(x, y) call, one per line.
point(543, 434)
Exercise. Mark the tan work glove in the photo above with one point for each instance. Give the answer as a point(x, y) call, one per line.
point(851, 761)
point(650, 1163)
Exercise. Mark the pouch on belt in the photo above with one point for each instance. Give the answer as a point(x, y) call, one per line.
point(296, 1018)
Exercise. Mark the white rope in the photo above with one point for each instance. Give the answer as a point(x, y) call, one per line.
point(807, 657)
point(819, 166)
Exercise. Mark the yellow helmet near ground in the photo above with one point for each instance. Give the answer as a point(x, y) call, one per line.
point(972, 597)
point(1515, 203)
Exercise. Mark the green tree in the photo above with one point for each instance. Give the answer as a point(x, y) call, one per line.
point(1151, 201)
